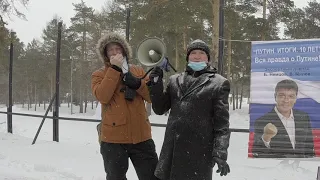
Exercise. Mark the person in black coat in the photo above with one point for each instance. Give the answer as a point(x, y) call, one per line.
point(283, 132)
point(197, 133)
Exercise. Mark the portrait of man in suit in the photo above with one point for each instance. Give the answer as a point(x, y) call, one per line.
point(283, 132)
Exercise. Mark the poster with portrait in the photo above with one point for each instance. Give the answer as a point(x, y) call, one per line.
point(285, 99)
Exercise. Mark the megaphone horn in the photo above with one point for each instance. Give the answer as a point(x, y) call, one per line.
point(151, 51)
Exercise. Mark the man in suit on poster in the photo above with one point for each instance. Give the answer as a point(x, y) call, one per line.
point(283, 132)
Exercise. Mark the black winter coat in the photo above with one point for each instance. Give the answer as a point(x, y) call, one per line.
point(198, 124)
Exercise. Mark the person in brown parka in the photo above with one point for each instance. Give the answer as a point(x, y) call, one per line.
point(125, 130)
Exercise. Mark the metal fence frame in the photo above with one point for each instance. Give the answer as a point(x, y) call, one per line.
point(56, 118)
point(98, 120)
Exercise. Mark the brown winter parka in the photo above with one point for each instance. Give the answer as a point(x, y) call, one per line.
point(123, 121)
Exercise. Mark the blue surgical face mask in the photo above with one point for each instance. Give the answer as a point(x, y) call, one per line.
point(197, 66)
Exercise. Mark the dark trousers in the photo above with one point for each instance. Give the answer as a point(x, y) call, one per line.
point(116, 159)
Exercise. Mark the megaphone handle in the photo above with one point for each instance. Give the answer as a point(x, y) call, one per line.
point(172, 67)
point(153, 68)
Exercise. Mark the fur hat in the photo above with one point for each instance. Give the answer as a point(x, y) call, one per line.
point(112, 38)
point(200, 45)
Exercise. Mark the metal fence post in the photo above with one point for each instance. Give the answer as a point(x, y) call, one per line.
point(43, 119)
point(9, 110)
point(221, 37)
point(128, 23)
point(57, 99)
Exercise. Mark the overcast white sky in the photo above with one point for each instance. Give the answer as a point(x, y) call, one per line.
point(39, 12)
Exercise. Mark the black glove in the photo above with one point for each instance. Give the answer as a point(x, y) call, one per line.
point(223, 167)
point(131, 81)
point(156, 75)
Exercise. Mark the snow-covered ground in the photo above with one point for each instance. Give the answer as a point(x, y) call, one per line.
point(77, 156)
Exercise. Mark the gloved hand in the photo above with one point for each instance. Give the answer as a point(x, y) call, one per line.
point(156, 75)
point(131, 81)
point(223, 167)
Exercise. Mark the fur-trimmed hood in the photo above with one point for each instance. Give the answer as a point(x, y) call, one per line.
point(109, 38)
